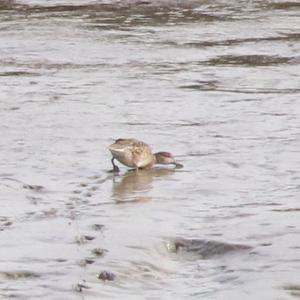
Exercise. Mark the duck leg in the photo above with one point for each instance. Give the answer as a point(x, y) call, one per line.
point(115, 167)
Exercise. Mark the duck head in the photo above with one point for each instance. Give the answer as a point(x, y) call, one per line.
point(166, 158)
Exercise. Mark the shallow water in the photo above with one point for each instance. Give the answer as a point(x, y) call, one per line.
point(214, 82)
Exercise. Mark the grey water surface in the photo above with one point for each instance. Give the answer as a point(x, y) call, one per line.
point(217, 83)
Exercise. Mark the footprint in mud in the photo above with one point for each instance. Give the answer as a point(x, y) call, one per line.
point(83, 239)
point(97, 253)
point(35, 193)
point(34, 200)
point(88, 188)
point(17, 184)
point(42, 214)
point(86, 261)
point(77, 192)
point(106, 276)
point(80, 287)
point(35, 188)
point(292, 289)
point(98, 227)
point(5, 223)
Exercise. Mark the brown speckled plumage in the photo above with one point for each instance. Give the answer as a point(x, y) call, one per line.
point(138, 155)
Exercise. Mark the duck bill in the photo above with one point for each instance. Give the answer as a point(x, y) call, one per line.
point(178, 165)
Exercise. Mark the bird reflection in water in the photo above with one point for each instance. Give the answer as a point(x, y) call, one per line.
point(134, 186)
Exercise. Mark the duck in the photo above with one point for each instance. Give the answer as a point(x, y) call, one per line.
point(137, 154)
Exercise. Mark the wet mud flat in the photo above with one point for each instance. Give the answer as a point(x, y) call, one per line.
point(39, 266)
point(214, 83)
point(92, 258)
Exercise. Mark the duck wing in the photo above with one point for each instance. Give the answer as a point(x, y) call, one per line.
point(132, 153)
